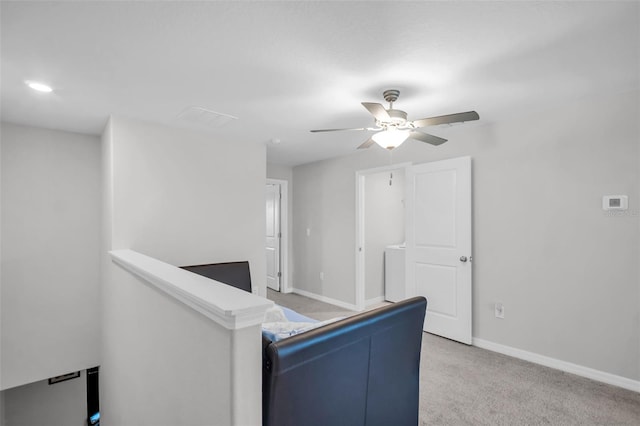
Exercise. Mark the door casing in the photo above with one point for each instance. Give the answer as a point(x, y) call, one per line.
point(284, 232)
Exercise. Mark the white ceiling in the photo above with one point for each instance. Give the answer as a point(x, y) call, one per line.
point(284, 68)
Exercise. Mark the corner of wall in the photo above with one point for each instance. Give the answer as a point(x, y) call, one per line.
point(153, 180)
point(1, 322)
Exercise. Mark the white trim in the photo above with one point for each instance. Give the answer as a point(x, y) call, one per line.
point(359, 248)
point(226, 305)
point(359, 253)
point(579, 370)
point(325, 299)
point(374, 301)
point(284, 229)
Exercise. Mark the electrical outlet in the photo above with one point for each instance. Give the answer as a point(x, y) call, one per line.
point(499, 309)
point(321, 276)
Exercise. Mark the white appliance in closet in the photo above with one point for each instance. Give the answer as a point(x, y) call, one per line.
point(394, 275)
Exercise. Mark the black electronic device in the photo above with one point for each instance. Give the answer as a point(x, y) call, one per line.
point(235, 274)
point(93, 399)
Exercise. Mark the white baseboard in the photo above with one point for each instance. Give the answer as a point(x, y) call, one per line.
point(374, 301)
point(579, 370)
point(325, 299)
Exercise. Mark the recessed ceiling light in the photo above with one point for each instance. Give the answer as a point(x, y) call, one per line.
point(40, 87)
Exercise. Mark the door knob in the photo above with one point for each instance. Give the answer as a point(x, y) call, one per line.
point(463, 258)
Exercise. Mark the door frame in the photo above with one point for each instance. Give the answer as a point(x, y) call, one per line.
point(360, 218)
point(284, 230)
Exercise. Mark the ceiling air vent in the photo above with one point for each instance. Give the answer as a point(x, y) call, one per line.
point(200, 115)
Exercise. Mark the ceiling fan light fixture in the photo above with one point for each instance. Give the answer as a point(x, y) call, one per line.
point(392, 127)
point(391, 138)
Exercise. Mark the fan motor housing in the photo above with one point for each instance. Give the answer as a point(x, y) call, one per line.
point(398, 117)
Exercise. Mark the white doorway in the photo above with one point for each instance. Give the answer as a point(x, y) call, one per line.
point(276, 247)
point(380, 221)
point(438, 249)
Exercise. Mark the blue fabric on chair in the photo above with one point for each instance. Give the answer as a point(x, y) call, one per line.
point(293, 316)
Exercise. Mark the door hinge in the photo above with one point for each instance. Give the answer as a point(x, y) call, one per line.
point(279, 234)
point(279, 274)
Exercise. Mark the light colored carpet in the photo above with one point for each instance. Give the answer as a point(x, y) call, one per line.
point(465, 385)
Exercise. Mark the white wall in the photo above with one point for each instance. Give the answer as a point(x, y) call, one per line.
point(186, 198)
point(277, 171)
point(383, 225)
point(50, 254)
point(2, 422)
point(61, 404)
point(566, 272)
point(183, 198)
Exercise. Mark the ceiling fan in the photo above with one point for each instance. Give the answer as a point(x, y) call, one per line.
point(392, 127)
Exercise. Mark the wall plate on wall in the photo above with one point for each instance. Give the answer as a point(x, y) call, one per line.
point(64, 377)
point(615, 202)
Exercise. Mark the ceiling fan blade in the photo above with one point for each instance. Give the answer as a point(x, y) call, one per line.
point(447, 119)
point(367, 144)
point(337, 130)
point(377, 110)
point(424, 137)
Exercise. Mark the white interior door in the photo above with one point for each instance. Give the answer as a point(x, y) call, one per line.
point(438, 253)
point(273, 236)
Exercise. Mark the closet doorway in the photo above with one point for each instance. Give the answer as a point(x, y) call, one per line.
point(380, 219)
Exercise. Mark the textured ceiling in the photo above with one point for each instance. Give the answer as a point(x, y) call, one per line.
point(284, 68)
